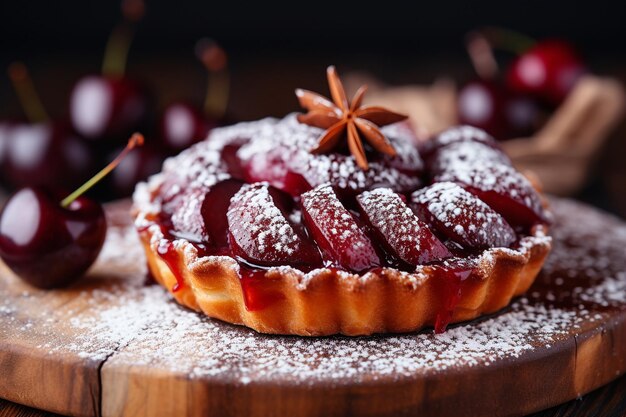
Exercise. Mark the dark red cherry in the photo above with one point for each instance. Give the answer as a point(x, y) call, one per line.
point(49, 240)
point(108, 108)
point(462, 217)
point(523, 116)
point(547, 70)
point(136, 167)
point(260, 231)
point(45, 244)
point(406, 236)
point(337, 233)
point(182, 124)
point(45, 154)
point(481, 103)
point(5, 130)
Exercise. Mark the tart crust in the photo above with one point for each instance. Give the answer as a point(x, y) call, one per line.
point(326, 301)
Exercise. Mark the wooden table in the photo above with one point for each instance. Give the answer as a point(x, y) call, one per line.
point(608, 401)
point(575, 250)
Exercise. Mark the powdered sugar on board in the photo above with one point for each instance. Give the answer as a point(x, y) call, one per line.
point(128, 323)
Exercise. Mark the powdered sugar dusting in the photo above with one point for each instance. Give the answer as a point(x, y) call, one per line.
point(406, 235)
point(394, 217)
point(466, 154)
point(132, 324)
point(499, 178)
point(272, 153)
point(468, 219)
point(255, 220)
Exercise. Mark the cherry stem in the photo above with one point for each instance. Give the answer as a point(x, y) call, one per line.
point(508, 40)
point(481, 53)
point(135, 140)
point(27, 94)
point(215, 61)
point(118, 45)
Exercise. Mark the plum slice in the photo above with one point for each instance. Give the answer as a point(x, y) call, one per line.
point(336, 231)
point(465, 154)
point(503, 189)
point(406, 236)
point(259, 230)
point(462, 217)
point(199, 213)
point(463, 133)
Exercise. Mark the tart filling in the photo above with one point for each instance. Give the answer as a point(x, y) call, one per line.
point(336, 221)
point(337, 250)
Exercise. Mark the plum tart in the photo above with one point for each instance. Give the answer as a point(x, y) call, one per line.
point(337, 221)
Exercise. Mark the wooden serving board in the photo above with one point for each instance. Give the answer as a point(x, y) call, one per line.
point(113, 346)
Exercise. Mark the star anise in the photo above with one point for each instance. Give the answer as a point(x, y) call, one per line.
point(342, 119)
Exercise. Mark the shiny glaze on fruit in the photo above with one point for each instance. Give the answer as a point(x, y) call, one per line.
point(250, 207)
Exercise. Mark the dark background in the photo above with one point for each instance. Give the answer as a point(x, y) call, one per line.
point(406, 41)
point(276, 47)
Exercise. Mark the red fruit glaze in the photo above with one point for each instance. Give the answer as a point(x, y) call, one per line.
point(168, 254)
point(399, 229)
point(260, 233)
point(336, 232)
point(462, 217)
point(257, 292)
point(450, 276)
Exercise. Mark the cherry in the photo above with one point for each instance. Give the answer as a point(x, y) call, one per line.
point(548, 70)
point(481, 103)
point(109, 106)
point(5, 129)
point(50, 244)
point(462, 217)
point(182, 123)
point(523, 116)
point(406, 236)
point(45, 154)
point(42, 152)
point(488, 104)
point(135, 168)
point(336, 231)
point(260, 232)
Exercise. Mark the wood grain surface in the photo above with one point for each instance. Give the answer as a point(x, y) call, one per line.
point(608, 401)
point(48, 364)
